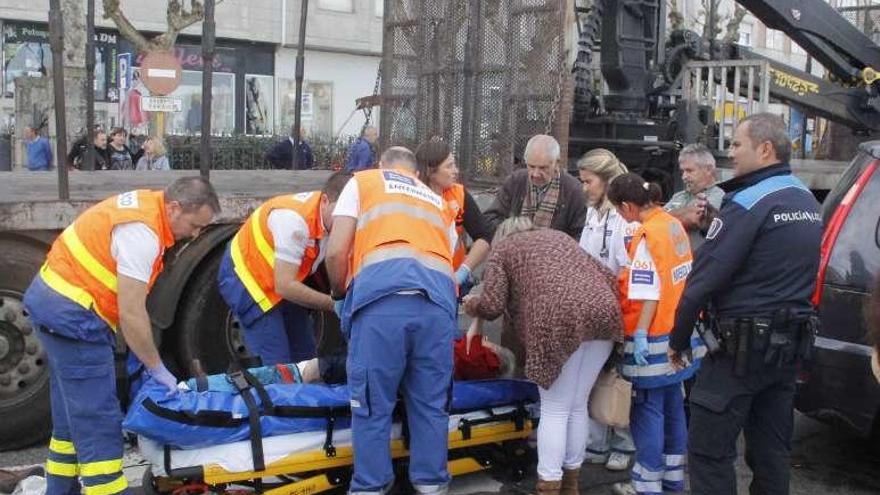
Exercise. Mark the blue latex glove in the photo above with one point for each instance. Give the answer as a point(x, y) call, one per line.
point(462, 275)
point(337, 307)
point(161, 374)
point(640, 351)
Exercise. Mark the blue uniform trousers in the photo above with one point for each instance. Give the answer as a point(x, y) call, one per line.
point(86, 420)
point(400, 343)
point(285, 334)
point(658, 426)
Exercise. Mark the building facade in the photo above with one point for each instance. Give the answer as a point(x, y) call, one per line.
point(254, 63)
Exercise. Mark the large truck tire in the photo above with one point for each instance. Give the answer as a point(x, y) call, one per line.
point(25, 417)
point(206, 337)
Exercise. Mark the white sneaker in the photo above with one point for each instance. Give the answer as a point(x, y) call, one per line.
point(624, 488)
point(618, 461)
point(596, 457)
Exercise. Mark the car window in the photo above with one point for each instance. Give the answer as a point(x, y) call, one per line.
point(847, 179)
point(855, 258)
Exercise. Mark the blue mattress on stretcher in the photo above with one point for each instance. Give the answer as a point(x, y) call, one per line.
point(193, 419)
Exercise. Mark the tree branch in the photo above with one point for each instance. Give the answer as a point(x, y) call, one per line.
point(113, 11)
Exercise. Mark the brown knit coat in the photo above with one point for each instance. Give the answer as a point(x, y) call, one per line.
point(556, 296)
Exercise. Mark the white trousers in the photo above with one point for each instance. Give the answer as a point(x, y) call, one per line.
point(562, 431)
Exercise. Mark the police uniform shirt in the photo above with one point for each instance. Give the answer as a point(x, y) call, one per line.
point(682, 199)
point(761, 252)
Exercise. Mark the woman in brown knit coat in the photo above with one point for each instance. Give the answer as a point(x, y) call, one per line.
point(563, 307)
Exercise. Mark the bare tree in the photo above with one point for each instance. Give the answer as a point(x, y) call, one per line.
point(178, 15)
point(732, 34)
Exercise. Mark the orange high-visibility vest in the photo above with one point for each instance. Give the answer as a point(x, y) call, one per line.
point(80, 265)
point(400, 217)
point(454, 197)
point(253, 247)
point(671, 251)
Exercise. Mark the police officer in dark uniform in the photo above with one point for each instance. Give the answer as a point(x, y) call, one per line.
point(752, 283)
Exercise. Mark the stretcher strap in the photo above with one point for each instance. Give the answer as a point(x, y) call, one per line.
point(329, 449)
point(266, 405)
point(205, 417)
point(239, 379)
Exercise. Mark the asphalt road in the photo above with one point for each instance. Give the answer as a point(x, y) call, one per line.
point(825, 460)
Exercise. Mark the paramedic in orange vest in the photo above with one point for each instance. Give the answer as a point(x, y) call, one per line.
point(650, 288)
point(438, 170)
point(262, 272)
point(94, 283)
point(389, 259)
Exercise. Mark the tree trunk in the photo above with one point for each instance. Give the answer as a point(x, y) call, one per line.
point(74, 60)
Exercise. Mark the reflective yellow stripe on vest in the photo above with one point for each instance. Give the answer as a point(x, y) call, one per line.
point(115, 486)
point(391, 208)
point(260, 239)
point(385, 254)
point(72, 292)
point(246, 278)
point(85, 258)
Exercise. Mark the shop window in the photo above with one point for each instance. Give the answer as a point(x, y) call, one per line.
point(189, 119)
point(337, 5)
point(259, 99)
point(317, 107)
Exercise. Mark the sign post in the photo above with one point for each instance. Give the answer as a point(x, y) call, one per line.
point(161, 74)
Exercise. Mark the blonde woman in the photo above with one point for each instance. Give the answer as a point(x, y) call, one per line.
point(606, 237)
point(155, 156)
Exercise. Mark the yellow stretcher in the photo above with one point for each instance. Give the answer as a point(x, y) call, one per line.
point(477, 441)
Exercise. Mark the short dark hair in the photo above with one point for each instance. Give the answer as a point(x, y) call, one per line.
point(632, 188)
point(193, 193)
point(764, 127)
point(117, 130)
point(429, 156)
point(335, 184)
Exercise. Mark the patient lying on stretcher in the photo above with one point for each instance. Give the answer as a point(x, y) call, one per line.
point(474, 359)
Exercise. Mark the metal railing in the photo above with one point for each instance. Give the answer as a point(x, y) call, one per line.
point(732, 89)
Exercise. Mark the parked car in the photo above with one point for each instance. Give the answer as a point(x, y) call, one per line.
point(838, 384)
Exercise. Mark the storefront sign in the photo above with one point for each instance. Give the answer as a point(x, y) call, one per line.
point(162, 103)
point(26, 52)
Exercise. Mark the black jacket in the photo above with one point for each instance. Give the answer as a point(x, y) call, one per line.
point(571, 208)
point(761, 252)
point(281, 156)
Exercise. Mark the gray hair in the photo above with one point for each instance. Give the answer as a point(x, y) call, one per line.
point(512, 225)
point(549, 143)
point(699, 154)
point(398, 156)
point(768, 127)
point(193, 193)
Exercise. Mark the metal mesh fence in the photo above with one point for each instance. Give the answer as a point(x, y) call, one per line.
point(482, 74)
point(866, 18)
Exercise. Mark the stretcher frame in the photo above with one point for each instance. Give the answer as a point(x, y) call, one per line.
point(474, 446)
